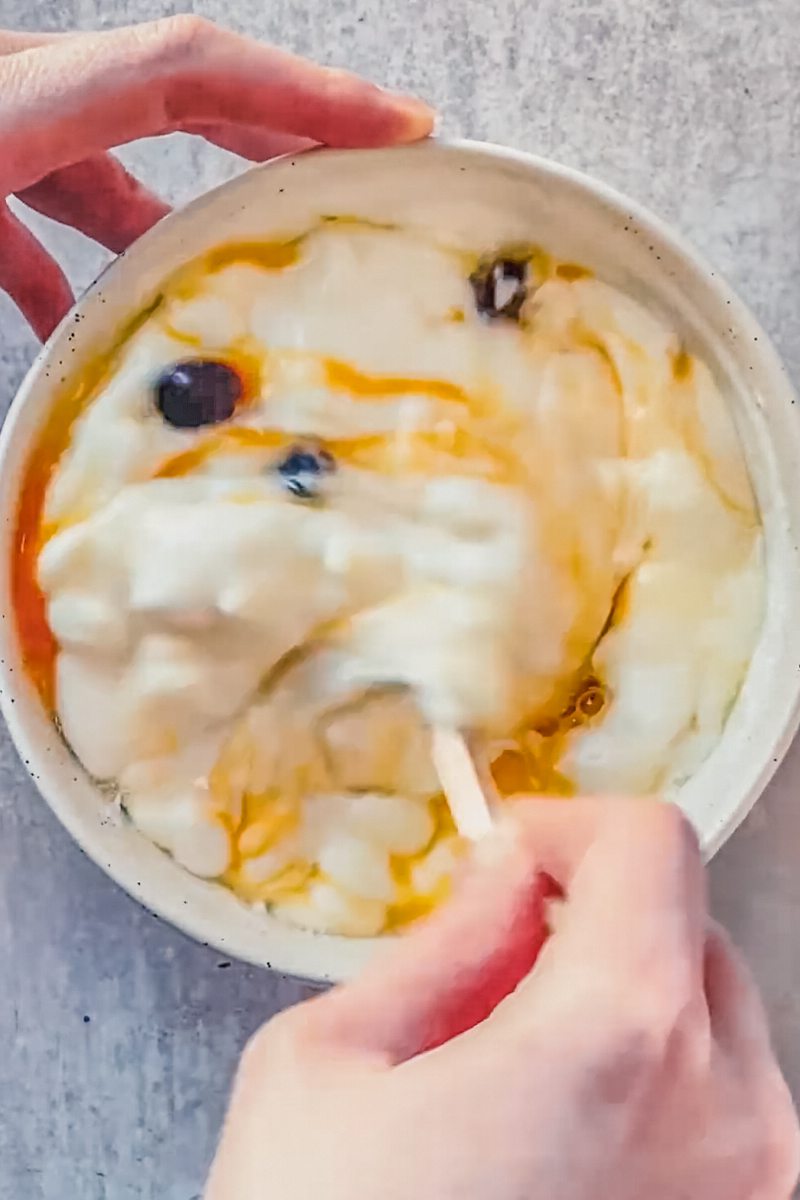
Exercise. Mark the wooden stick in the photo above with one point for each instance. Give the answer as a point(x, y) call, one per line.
point(468, 789)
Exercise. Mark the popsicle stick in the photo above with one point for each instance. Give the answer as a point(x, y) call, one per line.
point(467, 789)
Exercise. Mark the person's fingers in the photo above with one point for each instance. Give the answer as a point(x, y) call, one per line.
point(64, 101)
point(634, 914)
point(98, 197)
point(250, 141)
point(738, 1021)
point(740, 1031)
point(32, 279)
point(448, 975)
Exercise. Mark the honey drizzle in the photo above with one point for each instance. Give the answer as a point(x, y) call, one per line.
point(682, 365)
point(269, 256)
point(38, 646)
point(341, 377)
point(572, 272)
point(387, 452)
point(528, 765)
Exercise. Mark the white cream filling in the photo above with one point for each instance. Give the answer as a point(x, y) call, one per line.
point(477, 575)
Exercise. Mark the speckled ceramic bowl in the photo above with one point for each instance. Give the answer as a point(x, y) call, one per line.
point(439, 184)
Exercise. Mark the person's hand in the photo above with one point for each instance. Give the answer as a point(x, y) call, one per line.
point(65, 99)
point(631, 1062)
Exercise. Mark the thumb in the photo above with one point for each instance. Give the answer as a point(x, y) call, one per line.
point(450, 974)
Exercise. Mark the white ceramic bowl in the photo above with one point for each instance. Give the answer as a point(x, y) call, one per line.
point(439, 185)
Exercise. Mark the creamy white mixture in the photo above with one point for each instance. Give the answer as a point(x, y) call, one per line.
point(511, 507)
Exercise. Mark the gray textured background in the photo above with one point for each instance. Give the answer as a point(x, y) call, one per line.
point(117, 1036)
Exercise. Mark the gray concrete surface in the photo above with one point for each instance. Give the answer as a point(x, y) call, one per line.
point(118, 1036)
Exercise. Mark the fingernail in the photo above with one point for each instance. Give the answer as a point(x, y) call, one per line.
point(420, 117)
point(498, 846)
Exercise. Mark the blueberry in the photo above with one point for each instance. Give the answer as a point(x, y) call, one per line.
point(302, 469)
point(500, 288)
point(197, 391)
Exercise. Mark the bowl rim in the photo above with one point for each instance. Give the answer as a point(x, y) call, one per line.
point(12, 455)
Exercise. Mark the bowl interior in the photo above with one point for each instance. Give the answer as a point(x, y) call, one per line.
point(481, 196)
